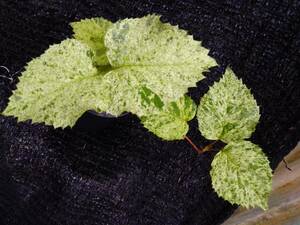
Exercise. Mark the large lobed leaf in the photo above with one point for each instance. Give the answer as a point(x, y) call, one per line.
point(241, 174)
point(57, 87)
point(147, 52)
point(228, 111)
point(106, 68)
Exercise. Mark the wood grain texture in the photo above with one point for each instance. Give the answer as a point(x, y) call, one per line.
point(284, 201)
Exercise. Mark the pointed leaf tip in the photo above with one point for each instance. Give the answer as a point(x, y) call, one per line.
point(228, 111)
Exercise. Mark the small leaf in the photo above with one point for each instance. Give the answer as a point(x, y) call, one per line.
point(170, 122)
point(228, 111)
point(57, 87)
point(92, 32)
point(147, 52)
point(241, 174)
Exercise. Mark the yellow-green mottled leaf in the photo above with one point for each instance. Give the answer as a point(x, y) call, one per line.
point(228, 111)
point(106, 68)
point(92, 32)
point(150, 99)
point(147, 52)
point(57, 87)
point(241, 174)
point(170, 121)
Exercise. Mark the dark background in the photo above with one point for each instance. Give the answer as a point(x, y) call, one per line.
point(112, 171)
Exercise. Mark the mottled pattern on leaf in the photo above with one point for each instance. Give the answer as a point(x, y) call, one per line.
point(108, 67)
point(228, 111)
point(170, 122)
point(157, 55)
point(241, 174)
point(57, 87)
point(149, 98)
point(120, 93)
point(92, 32)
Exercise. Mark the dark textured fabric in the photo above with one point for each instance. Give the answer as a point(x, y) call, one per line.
point(117, 172)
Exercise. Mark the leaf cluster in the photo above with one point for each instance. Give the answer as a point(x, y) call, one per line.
point(240, 171)
point(145, 67)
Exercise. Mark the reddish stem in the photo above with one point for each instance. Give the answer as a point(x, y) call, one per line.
point(208, 147)
point(198, 150)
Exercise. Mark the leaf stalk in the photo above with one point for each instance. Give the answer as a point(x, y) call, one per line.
point(197, 149)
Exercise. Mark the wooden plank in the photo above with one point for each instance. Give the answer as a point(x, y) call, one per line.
point(284, 201)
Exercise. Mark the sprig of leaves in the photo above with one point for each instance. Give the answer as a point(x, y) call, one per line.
point(121, 59)
point(145, 67)
point(240, 172)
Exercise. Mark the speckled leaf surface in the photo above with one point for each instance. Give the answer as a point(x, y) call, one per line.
point(92, 32)
point(241, 174)
point(133, 177)
point(228, 111)
point(57, 87)
point(170, 122)
point(106, 67)
point(154, 54)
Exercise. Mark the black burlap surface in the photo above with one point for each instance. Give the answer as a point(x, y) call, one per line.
point(118, 173)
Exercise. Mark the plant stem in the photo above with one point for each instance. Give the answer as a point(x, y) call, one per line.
point(208, 147)
point(198, 150)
